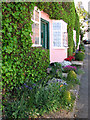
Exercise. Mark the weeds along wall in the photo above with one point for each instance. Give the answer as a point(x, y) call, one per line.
point(21, 62)
point(65, 11)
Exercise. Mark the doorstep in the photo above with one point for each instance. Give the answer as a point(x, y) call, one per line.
point(77, 62)
point(64, 74)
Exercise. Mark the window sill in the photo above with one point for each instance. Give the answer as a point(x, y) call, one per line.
point(60, 47)
point(35, 45)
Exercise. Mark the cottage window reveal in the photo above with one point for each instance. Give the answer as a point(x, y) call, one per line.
point(36, 27)
point(74, 37)
point(65, 39)
point(56, 34)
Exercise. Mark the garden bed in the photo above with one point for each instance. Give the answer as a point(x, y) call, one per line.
point(62, 113)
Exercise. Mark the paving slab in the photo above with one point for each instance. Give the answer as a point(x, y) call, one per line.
point(81, 110)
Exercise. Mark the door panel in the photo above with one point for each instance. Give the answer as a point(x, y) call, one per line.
point(44, 34)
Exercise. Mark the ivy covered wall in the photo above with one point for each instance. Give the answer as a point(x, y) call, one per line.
point(77, 28)
point(21, 63)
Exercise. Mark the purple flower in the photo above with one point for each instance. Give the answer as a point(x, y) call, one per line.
point(59, 89)
point(60, 80)
point(39, 81)
point(30, 88)
point(24, 83)
point(68, 67)
point(26, 86)
point(65, 83)
point(21, 86)
point(34, 84)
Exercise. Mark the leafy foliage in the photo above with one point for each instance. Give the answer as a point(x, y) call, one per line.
point(81, 47)
point(16, 42)
point(79, 56)
point(34, 103)
point(77, 28)
point(56, 70)
point(72, 78)
point(20, 62)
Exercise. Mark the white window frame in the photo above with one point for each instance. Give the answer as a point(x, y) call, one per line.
point(62, 46)
point(53, 21)
point(36, 9)
point(74, 35)
point(65, 43)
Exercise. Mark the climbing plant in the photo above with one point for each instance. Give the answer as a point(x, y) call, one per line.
point(20, 62)
point(16, 41)
point(77, 28)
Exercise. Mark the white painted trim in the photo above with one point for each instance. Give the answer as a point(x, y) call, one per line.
point(61, 36)
point(39, 28)
point(60, 47)
point(35, 21)
point(35, 8)
point(36, 45)
point(74, 36)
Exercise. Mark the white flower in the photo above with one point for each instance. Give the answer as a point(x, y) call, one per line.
point(65, 63)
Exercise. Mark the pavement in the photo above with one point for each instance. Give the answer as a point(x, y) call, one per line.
point(81, 110)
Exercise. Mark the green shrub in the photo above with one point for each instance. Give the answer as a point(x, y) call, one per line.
point(35, 101)
point(81, 47)
point(56, 70)
point(79, 56)
point(72, 78)
point(16, 109)
point(67, 96)
point(79, 71)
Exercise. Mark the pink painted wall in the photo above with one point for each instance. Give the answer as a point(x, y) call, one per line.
point(56, 54)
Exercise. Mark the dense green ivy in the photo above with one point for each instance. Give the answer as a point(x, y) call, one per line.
point(19, 61)
point(16, 41)
point(77, 28)
point(65, 11)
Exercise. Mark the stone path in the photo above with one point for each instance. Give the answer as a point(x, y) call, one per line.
point(82, 103)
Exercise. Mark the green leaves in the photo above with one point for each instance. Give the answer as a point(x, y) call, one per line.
point(14, 49)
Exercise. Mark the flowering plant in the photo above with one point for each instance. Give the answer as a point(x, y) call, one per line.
point(70, 58)
point(73, 54)
point(65, 63)
point(68, 68)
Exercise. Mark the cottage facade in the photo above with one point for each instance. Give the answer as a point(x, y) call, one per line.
point(50, 34)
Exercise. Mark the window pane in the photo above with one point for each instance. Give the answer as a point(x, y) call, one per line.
point(35, 30)
point(56, 34)
point(57, 26)
point(65, 39)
